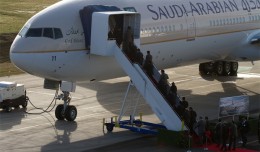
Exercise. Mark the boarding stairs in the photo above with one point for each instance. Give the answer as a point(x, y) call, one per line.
point(164, 111)
point(101, 23)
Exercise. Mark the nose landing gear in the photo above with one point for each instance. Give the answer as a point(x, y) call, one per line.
point(65, 111)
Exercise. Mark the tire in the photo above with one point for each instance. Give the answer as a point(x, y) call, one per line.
point(227, 68)
point(202, 69)
point(59, 112)
point(109, 127)
point(234, 68)
point(219, 68)
point(24, 105)
point(8, 109)
point(71, 113)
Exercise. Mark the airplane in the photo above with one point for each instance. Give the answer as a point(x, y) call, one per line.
point(68, 41)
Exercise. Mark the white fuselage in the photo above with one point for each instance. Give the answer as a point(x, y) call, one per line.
point(177, 32)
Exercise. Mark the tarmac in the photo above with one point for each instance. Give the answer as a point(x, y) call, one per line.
point(20, 131)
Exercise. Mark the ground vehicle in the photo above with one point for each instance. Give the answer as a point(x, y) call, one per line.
point(12, 95)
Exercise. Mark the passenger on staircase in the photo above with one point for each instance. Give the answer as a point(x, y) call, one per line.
point(163, 83)
point(148, 57)
point(148, 67)
point(128, 44)
point(139, 57)
point(184, 103)
point(171, 97)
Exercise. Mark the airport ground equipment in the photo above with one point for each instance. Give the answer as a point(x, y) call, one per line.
point(158, 103)
point(146, 87)
point(12, 95)
point(137, 125)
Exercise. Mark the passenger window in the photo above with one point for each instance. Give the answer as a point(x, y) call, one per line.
point(57, 33)
point(166, 28)
point(162, 30)
point(34, 32)
point(154, 30)
point(47, 32)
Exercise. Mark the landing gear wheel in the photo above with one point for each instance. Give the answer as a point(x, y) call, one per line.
point(59, 112)
point(219, 68)
point(202, 69)
point(110, 127)
point(25, 104)
point(8, 109)
point(234, 68)
point(227, 68)
point(71, 113)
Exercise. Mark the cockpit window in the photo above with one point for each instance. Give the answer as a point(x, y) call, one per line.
point(58, 33)
point(23, 31)
point(130, 9)
point(34, 32)
point(53, 33)
point(47, 32)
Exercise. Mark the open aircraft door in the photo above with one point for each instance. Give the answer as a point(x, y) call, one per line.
point(108, 27)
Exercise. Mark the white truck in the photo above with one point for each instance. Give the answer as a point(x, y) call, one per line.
point(12, 95)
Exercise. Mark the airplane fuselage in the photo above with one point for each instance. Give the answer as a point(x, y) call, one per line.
point(177, 32)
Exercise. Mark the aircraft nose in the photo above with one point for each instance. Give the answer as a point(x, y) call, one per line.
point(13, 51)
point(16, 55)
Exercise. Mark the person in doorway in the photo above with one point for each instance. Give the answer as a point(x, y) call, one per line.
point(129, 36)
point(232, 135)
point(118, 34)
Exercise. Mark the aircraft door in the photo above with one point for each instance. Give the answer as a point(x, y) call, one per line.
point(134, 22)
point(191, 27)
point(108, 27)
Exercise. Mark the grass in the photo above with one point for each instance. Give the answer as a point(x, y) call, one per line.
point(13, 15)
